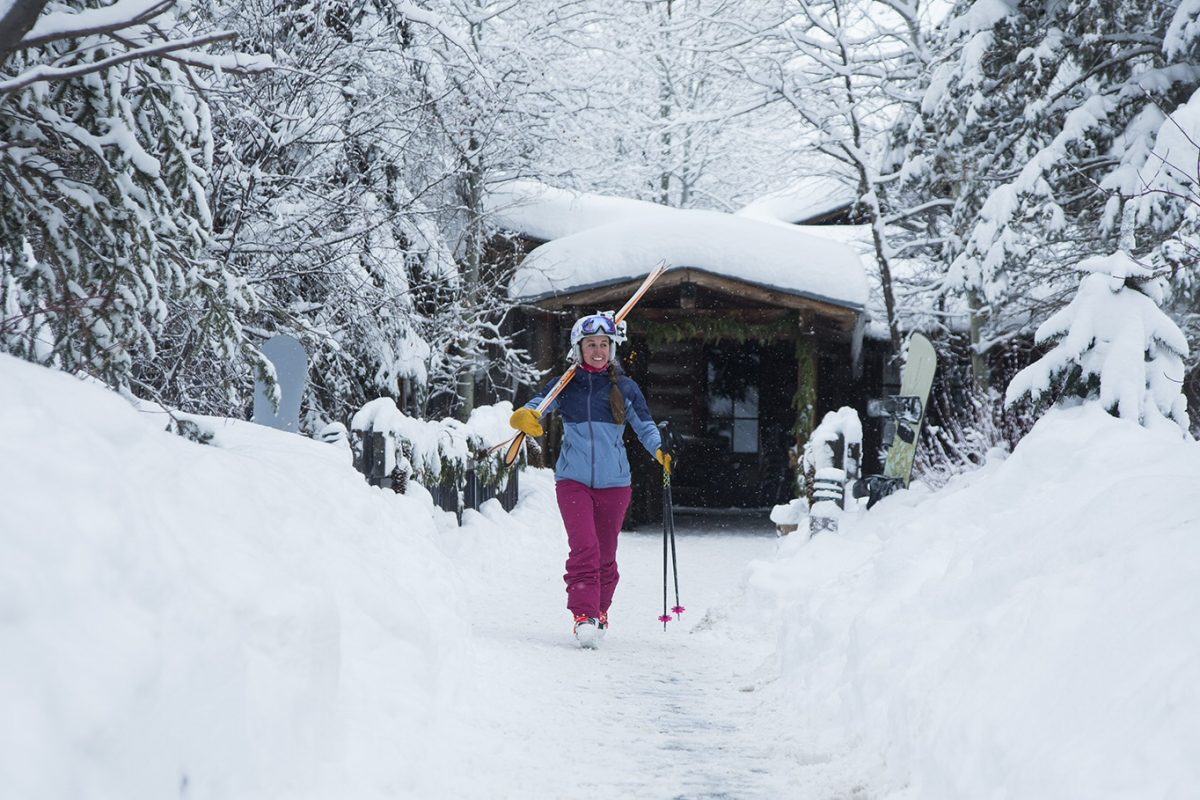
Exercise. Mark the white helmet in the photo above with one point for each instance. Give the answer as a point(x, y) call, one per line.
point(599, 324)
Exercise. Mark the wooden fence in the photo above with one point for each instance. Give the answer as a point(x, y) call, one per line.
point(375, 453)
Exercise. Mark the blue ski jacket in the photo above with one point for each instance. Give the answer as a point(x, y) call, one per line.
point(593, 451)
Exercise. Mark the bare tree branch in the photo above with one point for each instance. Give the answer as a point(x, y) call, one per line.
point(44, 73)
point(81, 24)
point(17, 21)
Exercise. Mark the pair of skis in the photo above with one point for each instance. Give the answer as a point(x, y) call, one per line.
point(514, 444)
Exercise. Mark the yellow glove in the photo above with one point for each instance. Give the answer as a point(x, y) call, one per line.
point(664, 459)
point(526, 421)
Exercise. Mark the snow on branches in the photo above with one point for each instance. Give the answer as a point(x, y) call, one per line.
point(104, 217)
point(1113, 345)
point(345, 191)
point(440, 451)
point(1038, 122)
point(126, 30)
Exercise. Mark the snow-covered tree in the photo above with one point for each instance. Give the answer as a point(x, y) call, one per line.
point(1114, 345)
point(105, 144)
point(341, 179)
point(1170, 206)
point(687, 112)
point(650, 101)
point(1037, 122)
point(847, 70)
point(477, 77)
point(309, 197)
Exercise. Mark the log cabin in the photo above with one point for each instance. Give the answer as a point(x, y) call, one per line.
point(755, 331)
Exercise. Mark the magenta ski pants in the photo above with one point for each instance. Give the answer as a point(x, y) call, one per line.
point(593, 519)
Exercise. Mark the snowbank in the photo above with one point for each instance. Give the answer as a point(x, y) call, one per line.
point(1029, 631)
point(245, 619)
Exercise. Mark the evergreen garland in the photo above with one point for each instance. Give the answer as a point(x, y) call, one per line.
point(716, 329)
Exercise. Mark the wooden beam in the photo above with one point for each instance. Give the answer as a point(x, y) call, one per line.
point(842, 318)
point(751, 315)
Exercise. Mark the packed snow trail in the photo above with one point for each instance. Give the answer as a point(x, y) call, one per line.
point(651, 714)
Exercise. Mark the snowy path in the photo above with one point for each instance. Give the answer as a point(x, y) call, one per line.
point(249, 619)
point(678, 714)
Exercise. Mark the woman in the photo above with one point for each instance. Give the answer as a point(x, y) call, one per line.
point(592, 474)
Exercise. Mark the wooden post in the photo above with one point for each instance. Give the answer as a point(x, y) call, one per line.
point(508, 498)
point(376, 447)
point(547, 343)
point(806, 385)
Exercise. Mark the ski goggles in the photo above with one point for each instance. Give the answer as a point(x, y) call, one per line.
point(592, 326)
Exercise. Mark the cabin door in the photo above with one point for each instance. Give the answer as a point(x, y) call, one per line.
point(747, 424)
point(731, 406)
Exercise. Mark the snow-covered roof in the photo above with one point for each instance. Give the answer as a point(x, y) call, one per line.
point(595, 241)
point(808, 199)
point(546, 213)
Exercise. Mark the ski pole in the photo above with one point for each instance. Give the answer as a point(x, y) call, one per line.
point(669, 439)
point(665, 618)
point(667, 447)
point(677, 609)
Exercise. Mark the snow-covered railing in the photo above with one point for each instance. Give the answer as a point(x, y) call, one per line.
point(831, 463)
point(445, 456)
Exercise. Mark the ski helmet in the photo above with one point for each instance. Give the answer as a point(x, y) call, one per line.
point(599, 324)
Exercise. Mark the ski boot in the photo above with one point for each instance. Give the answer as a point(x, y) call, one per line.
point(587, 631)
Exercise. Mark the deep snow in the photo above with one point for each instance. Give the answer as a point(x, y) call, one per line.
point(249, 619)
point(241, 620)
point(1029, 631)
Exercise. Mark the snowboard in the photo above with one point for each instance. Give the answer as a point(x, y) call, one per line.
point(291, 372)
point(909, 407)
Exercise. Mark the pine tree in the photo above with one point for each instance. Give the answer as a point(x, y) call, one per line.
point(104, 219)
point(1168, 207)
point(1112, 345)
point(1038, 119)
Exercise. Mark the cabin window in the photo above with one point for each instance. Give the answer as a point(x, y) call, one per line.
point(733, 397)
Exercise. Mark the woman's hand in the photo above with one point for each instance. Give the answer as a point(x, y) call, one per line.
point(526, 421)
point(664, 459)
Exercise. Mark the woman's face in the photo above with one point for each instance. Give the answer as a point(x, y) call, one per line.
point(597, 350)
